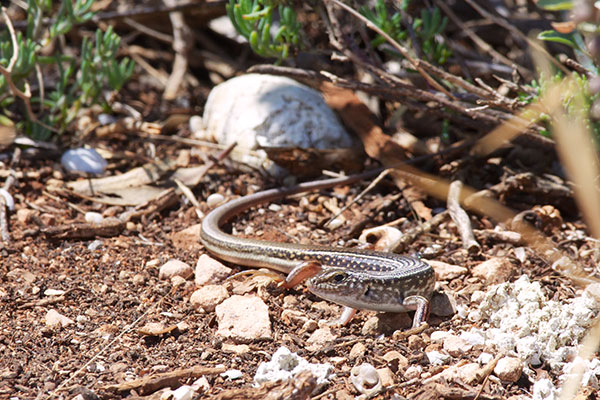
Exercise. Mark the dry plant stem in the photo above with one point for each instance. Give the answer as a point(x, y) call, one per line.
point(461, 218)
point(415, 232)
point(4, 233)
point(509, 27)
point(396, 45)
point(360, 195)
point(482, 44)
point(183, 41)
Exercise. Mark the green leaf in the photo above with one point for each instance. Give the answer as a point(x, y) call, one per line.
point(555, 5)
point(564, 38)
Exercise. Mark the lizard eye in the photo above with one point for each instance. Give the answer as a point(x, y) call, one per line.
point(339, 277)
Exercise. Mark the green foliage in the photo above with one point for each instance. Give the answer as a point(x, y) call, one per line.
point(253, 19)
point(555, 5)
point(80, 80)
point(428, 29)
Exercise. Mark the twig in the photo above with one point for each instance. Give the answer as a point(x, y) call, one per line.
point(461, 218)
point(509, 27)
point(482, 44)
point(396, 45)
point(10, 180)
point(183, 42)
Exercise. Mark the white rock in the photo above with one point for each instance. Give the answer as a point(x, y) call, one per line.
point(473, 337)
point(208, 297)
point(509, 369)
point(320, 338)
point(358, 350)
point(495, 270)
point(544, 390)
point(445, 271)
point(243, 318)
point(438, 336)
point(83, 160)
point(366, 379)
point(270, 111)
point(209, 270)
point(54, 319)
point(184, 392)
point(232, 374)
point(214, 200)
point(175, 268)
point(485, 358)
point(285, 365)
point(437, 358)
point(93, 217)
point(456, 346)
point(412, 372)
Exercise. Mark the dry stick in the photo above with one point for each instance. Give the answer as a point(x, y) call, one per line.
point(183, 42)
point(506, 25)
point(396, 45)
point(483, 45)
point(461, 218)
point(371, 185)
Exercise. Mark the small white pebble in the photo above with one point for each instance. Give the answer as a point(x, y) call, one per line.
point(335, 223)
point(485, 358)
point(83, 160)
point(232, 374)
point(93, 217)
point(274, 207)
point(437, 358)
point(184, 392)
point(95, 245)
point(366, 379)
point(214, 200)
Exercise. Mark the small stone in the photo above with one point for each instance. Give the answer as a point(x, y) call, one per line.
point(509, 369)
point(201, 385)
point(437, 358)
point(443, 304)
point(358, 350)
point(416, 342)
point(183, 326)
point(387, 377)
point(139, 279)
point(438, 336)
point(188, 238)
point(21, 275)
point(238, 349)
point(25, 215)
point(366, 379)
point(175, 268)
point(177, 281)
point(395, 360)
point(214, 200)
point(320, 338)
point(93, 217)
point(208, 297)
point(445, 271)
point(54, 319)
point(243, 318)
point(184, 392)
point(54, 292)
point(495, 270)
point(209, 270)
point(456, 346)
point(83, 160)
point(412, 372)
point(232, 374)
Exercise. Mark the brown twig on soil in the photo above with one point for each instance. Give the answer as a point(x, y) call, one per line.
point(461, 218)
point(417, 231)
point(183, 42)
point(10, 180)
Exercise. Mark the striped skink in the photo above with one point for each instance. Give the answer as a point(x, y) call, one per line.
point(355, 278)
